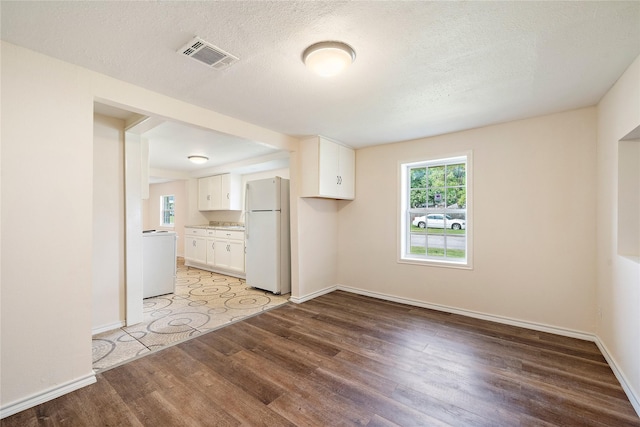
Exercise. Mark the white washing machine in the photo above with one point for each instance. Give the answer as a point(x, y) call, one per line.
point(158, 263)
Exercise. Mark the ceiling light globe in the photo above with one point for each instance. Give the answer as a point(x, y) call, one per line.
point(198, 160)
point(328, 58)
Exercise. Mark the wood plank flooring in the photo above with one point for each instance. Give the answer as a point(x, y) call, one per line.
point(344, 359)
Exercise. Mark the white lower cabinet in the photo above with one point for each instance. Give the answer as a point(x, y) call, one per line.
point(229, 252)
point(195, 245)
point(217, 250)
point(211, 248)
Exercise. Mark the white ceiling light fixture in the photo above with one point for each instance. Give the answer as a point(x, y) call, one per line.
point(328, 58)
point(198, 160)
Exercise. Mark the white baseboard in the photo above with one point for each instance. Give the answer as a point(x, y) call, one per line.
point(312, 295)
point(477, 315)
point(107, 328)
point(630, 392)
point(45, 396)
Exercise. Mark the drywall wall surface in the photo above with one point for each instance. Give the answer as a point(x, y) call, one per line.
point(618, 276)
point(108, 284)
point(533, 223)
point(180, 190)
point(317, 246)
point(47, 224)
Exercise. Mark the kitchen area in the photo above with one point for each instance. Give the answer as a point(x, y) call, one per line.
point(230, 252)
point(200, 250)
point(208, 199)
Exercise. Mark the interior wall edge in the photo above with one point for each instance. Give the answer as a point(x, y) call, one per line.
point(47, 395)
point(633, 395)
point(107, 328)
point(312, 295)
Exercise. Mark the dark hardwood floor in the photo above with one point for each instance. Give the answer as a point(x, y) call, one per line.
point(344, 359)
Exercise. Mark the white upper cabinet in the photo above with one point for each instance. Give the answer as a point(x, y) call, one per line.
point(327, 169)
point(220, 192)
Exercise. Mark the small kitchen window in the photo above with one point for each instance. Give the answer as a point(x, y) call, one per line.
point(434, 212)
point(167, 211)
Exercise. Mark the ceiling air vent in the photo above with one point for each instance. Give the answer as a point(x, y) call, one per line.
point(207, 54)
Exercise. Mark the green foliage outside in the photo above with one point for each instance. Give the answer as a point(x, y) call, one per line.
point(451, 253)
point(430, 230)
point(438, 187)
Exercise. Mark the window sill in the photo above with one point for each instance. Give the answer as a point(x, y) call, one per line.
point(436, 263)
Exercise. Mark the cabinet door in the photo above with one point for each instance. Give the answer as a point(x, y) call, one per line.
point(225, 190)
point(236, 255)
point(204, 194)
point(346, 173)
point(216, 192)
point(195, 249)
point(221, 253)
point(211, 256)
point(328, 153)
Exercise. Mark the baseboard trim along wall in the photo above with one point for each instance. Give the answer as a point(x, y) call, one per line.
point(313, 295)
point(107, 328)
point(631, 394)
point(633, 397)
point(469, 313)
point(45, 396)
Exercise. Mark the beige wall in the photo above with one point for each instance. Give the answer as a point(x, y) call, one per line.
point(151, 208)
point(47, 225)
point(108, 283)
point(618, 276)
point(317, 247)
point(533, 223)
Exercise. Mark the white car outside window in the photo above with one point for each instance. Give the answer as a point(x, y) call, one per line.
point(439, 221)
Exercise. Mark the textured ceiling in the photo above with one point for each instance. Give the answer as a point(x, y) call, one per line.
point(422, 68)
point(171, 143)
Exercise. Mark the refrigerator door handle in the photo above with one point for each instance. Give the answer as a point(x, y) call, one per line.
point(246, 224)
point(246, 211)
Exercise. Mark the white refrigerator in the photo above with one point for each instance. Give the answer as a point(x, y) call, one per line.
point(267, 241)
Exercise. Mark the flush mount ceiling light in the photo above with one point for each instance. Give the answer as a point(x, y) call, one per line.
point(198, 160)
point(328, 58)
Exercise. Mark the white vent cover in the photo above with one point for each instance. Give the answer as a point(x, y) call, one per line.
point(207, 54)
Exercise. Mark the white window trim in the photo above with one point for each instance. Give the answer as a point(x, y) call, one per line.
point(402, 217)
point(162, 223)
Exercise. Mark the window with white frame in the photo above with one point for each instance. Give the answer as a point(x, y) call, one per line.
point(434, 226)
point(167, 211)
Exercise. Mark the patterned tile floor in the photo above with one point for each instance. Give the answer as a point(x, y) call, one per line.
point(203, 301)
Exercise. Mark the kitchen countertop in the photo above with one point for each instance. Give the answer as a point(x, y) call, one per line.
point(217, 227)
